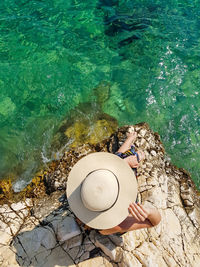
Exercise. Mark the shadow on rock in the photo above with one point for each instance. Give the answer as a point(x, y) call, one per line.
point(59, 241)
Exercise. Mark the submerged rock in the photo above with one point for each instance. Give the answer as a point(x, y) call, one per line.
point(80, 128)
point(33, 232)
point(80, 132)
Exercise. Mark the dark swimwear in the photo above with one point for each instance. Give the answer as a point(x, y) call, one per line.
point(130, 152)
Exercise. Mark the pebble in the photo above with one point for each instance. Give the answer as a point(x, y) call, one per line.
point(143, 141)
point(143, 132)
point(153, 153)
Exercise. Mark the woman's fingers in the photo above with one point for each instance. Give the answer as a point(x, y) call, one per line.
point(145, 210)
point(132, 134)
point(131, 210)
point(141, 210)
point(137, 212)
point(140, 213)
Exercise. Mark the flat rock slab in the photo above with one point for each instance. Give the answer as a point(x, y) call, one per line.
point(66, 229)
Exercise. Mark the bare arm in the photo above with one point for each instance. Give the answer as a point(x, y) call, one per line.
point(128, 142)
point(129, 224)
point(140, 217)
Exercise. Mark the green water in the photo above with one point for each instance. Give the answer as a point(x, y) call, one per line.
point(53, 53)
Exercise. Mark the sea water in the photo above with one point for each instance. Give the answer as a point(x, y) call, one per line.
point(53, 53)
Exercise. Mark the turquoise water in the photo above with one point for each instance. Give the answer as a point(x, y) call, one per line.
point(54, 53)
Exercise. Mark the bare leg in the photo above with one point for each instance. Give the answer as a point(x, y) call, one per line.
point(128, 142)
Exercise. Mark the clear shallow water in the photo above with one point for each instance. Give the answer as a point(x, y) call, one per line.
point(54, 53)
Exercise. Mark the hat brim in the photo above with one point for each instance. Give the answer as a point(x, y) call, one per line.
point(127, 189)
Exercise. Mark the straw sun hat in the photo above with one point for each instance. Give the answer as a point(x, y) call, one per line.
point(100, 188)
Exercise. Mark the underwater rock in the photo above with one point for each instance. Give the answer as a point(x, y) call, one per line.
point(124, 28)
point(7, 107)
point(102, 92)
point(80, 128)
point(81, 133)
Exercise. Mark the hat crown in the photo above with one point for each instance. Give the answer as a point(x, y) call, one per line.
point(99, 190)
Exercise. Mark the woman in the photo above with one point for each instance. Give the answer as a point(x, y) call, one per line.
point(140, 216)
point(102, 191)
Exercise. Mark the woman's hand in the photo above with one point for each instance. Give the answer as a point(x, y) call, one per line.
point(141, 213)
point(131, 136)
point(138, 212)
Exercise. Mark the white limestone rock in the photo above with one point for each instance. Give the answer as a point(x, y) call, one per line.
point(5, 238)
point(153, 153)
point(129, 260)
point(8, 257)
point(18, 206)
point(143, 132)
point(108, 248)
point(95, 262)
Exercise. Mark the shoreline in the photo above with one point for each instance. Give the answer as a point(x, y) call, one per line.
point(42, 183)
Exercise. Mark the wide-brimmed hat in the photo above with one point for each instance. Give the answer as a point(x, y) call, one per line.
point(100, 188)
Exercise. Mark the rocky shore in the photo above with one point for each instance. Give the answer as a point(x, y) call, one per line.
point(37, 227)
